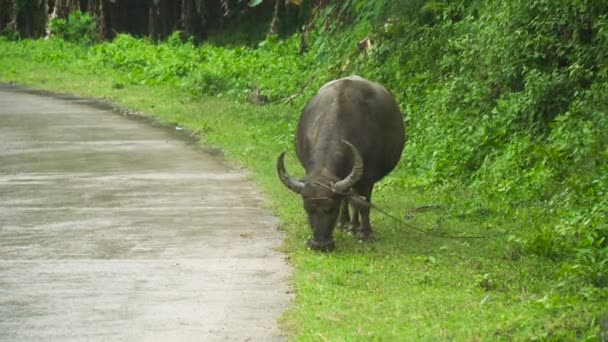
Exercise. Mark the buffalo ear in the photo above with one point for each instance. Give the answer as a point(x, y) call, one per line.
point(359, 201)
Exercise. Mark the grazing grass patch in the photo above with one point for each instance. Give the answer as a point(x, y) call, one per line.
point(408, 285)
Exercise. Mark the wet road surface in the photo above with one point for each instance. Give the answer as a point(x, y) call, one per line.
point(113, 229)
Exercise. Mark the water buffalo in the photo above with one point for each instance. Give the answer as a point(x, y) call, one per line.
point(350, 135)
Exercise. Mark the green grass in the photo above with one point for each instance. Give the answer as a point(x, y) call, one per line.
point(408, 285)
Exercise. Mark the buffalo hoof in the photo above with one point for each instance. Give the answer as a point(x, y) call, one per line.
point(344, 226)
point(323, 246)
point(369, 237)
point(351, 229)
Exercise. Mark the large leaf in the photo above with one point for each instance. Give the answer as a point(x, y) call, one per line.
point(254, 3)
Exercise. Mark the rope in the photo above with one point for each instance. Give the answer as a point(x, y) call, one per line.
point(420, 230)
point(433, 233)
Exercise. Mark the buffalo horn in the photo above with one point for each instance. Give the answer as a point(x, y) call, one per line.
point(356, 173)
point(293, 184)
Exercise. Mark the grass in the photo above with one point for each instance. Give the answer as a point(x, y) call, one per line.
point(408, 285)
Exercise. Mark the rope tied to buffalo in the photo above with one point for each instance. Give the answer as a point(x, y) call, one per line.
point(430, 232)
point(409, 225)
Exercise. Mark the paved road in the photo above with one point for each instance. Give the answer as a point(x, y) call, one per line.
point(112, 229)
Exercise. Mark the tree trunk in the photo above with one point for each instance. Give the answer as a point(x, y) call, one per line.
point(98, 9)
point(164, 20)
point(153, 26)
point(31, 18)
point(63, 8)
point(188, 16)
point(7, 17)
point(192, 17)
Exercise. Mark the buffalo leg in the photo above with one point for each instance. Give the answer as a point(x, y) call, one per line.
point(344, 215)
point(365, 232)
point(355, 224)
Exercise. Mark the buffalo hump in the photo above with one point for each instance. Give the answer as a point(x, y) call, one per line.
point(356, 110)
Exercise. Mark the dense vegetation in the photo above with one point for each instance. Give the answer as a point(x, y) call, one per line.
point(155, 18)
point(505, 104)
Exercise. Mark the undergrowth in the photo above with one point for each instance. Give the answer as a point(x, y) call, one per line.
point(506, 100)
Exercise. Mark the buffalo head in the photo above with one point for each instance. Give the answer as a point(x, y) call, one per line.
point(322, 196)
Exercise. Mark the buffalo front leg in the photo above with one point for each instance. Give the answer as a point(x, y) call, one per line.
point(355, 223)
point(346, 222)
point(365, 232)
point(344, 215)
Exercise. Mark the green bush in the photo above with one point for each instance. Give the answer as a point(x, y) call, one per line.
point(509, 99)
point(77, 28)
point(10, 34)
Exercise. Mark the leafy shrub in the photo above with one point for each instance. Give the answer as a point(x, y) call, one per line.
point(78, 28)
point(10, 34)
point(509, 99)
